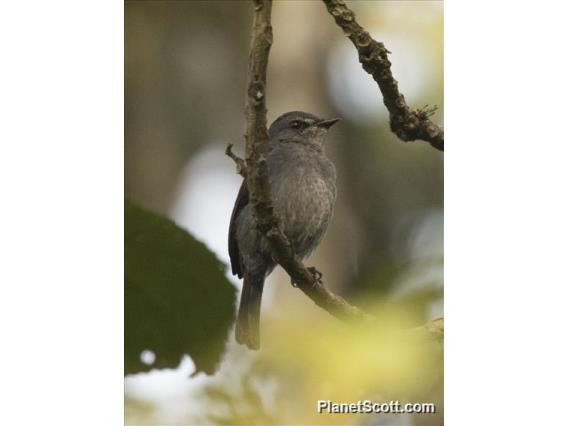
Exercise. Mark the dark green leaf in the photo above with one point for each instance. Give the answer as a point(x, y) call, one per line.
point(177, 299)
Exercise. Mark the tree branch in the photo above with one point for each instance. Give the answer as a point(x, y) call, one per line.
point(432, 330)
point(255, 172)
point(407, 123)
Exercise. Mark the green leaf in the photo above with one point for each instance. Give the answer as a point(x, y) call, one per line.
point(177, 299)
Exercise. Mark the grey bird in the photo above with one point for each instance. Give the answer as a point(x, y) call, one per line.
point(302, 181)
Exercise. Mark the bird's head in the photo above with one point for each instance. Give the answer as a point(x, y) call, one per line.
point(300, 127)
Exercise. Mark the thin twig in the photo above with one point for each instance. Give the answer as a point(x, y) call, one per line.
point(239, 162)
point(407, 123)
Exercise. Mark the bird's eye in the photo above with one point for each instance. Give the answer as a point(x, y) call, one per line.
point(296, 124)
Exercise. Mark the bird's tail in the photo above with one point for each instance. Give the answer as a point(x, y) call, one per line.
point(247, 330)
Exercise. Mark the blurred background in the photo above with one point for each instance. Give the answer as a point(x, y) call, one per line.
point(185, 76)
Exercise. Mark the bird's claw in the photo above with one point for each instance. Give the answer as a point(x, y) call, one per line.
point(316, 274)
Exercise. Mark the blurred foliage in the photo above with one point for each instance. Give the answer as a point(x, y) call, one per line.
point(137, 412)
point(245, 408)
point(184, 73)
point(327, 360)
point(177, 299)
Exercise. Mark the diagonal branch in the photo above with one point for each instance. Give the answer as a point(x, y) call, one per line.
point(257, 173)
point(407, 123)
point(432, 330)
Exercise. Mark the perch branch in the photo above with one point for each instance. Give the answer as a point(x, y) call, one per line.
point(432, 330)
point(257, 173)
point(407, 123)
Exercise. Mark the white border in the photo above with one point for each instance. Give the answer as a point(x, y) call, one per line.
point(61, 172)
point(506, 213)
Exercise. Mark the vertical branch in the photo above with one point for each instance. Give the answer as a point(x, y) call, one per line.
point(257, 173)
point(255, 110)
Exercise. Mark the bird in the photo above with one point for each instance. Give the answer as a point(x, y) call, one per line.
point(303, 188)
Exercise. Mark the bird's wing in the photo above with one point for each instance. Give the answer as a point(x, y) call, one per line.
point(240, 203)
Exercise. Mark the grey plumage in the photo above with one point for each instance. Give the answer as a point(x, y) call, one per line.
point(302, 180)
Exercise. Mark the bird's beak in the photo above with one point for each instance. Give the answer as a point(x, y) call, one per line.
point(326, 124)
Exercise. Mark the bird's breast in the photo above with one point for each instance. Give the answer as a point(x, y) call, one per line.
point(303, 192)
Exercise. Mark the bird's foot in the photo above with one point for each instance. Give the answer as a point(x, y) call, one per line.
point(316, 274)
point(293, 283)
